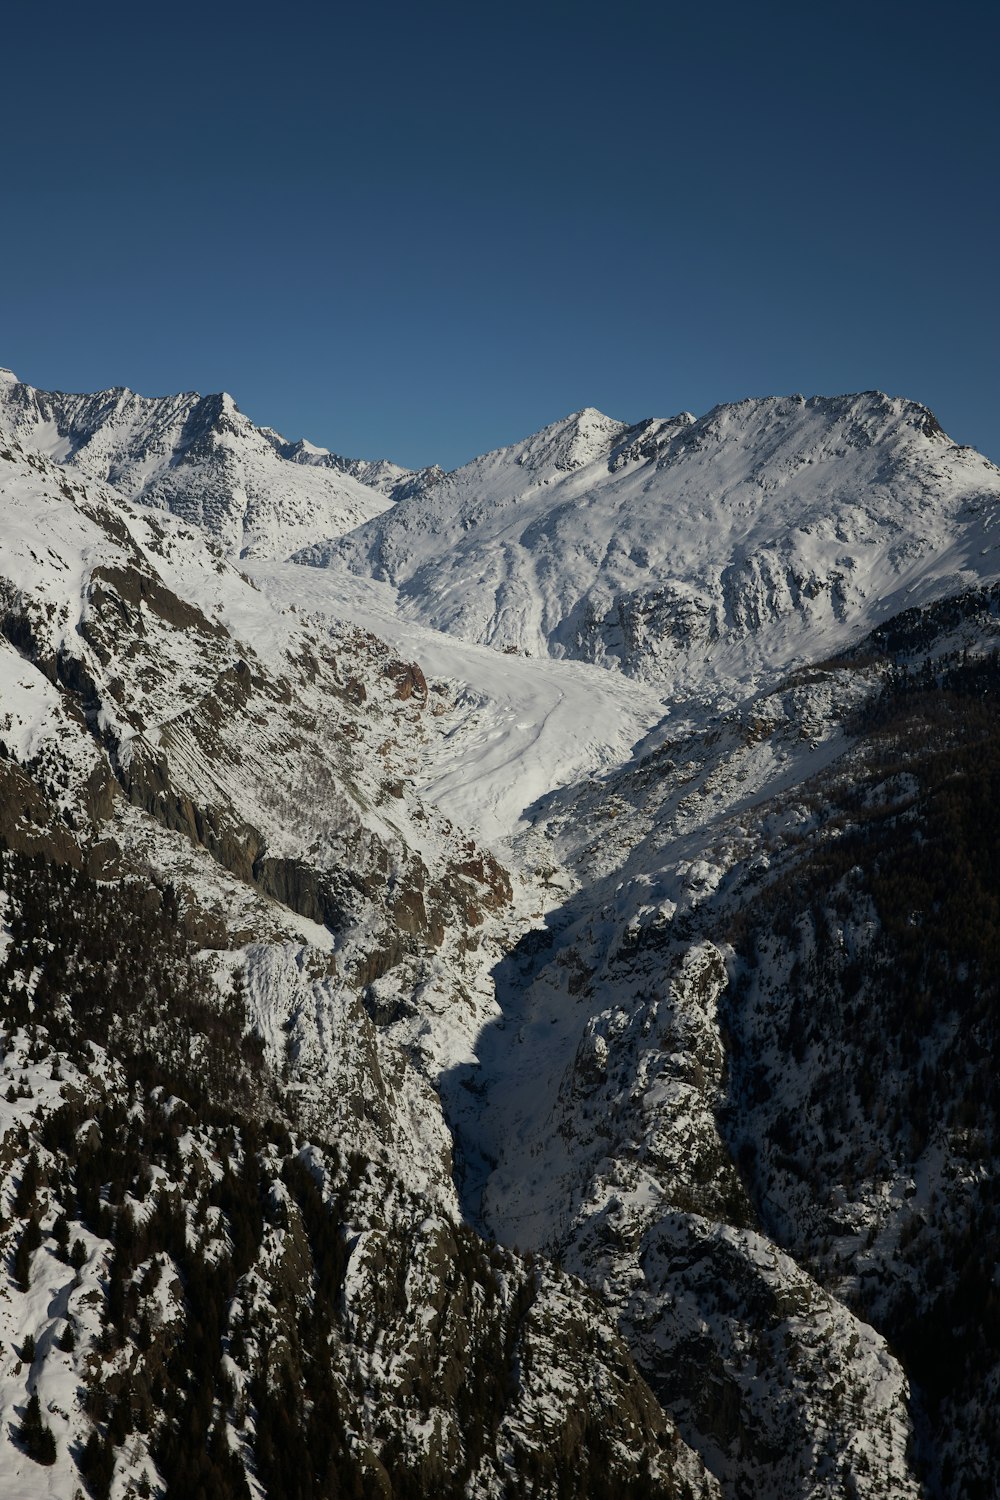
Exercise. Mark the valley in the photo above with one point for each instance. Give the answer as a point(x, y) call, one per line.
point(554, 866)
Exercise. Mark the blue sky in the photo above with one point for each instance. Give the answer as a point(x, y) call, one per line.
point(424, 232)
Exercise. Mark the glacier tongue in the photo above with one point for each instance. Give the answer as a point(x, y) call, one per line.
point(504, 729)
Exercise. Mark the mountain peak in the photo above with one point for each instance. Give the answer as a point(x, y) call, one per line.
point(581, 438)
point(589, 416)
point(197, 455)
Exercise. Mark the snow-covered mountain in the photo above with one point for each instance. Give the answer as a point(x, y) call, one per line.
point(436, 1064)
point(200, 458)
point(680, 550)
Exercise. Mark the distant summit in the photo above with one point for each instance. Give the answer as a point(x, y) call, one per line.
point(658, 547)
point(197, 456)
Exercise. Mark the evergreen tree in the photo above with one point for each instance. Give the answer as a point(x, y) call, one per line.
point(35, 1436)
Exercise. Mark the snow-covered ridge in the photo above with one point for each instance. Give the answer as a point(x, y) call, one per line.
point(203, 459)
point(690, 553)
point(379, 474)
point(765, 531)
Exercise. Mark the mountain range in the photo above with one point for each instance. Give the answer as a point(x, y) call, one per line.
point(499, 968)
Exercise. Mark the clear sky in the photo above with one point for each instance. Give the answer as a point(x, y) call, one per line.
point(424, 231)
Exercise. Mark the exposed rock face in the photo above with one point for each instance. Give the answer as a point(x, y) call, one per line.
point(408, 679)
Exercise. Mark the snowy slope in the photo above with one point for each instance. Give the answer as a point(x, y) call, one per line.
point(197, 456)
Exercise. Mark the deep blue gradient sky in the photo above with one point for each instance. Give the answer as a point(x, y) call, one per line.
point(421, 232)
